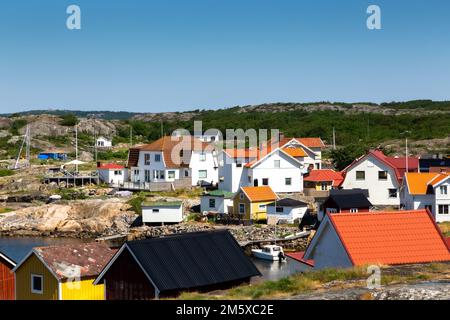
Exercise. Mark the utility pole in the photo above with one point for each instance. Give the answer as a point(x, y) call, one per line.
point(162, 128)
point(334, 139)
point(406, 152)
point(131, 135)
point(28, 164)
point(95, 140)
point(76, 147)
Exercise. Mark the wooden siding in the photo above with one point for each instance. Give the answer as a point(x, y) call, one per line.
point(125, 280)
point(23, 281)
point(6, 281)
point(252, 210)
point(83, 290)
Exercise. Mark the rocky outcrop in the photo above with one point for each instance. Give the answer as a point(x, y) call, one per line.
point(88, 218)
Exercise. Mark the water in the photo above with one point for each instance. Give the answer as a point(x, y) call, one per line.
point(18, 247)
point(275, 270)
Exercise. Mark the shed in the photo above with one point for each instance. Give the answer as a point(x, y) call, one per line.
point(386, 238)
point(112, 173)
point(103, 142)
point(162, 211)
point(346, 202)
point(64, 272)
point(286, 209)
point(6, 277)
point(167, 266)
point(217, 201)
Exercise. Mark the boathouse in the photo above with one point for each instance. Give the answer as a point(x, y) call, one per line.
point(167, 266)
point(63, 272)
point(6, 277)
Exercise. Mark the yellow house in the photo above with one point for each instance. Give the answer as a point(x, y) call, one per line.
point(64, 272)
point(250, 202)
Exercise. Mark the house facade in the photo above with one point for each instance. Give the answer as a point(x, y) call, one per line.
point(347, 240)
point(287, 210)
point(427, 191)
point(171, 159)
point(62, 272)
point(217, 201)
point(380, 175)
point(280, 165)
point(250, 203)
point(111, 173)
point(7, 264)
point(103, 142)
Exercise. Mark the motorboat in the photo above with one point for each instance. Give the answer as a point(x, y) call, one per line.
point(270, 252)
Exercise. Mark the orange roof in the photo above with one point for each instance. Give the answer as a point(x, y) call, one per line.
point(242, 153)
point(295, 151)
point(262, 193)
point(171, 147)
point(418, 182)
point(395, 237)
point(311, 142)
point(325, 175)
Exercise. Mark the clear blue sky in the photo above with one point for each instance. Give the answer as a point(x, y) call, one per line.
point(174, 55)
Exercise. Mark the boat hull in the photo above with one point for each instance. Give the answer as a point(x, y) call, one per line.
point(265, 256)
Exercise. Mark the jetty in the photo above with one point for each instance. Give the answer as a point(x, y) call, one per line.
point(298, 235)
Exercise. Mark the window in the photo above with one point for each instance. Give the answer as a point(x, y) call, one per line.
point(288, 181)
point(265, 181)
point(186, 173)
point(181, 153)
point(382, 175)
point(202, 174)
point(157, 157)
point(171, 174)
point(202, 156)
point(117, 173)
point(276, 163)
point(323, 187)
point(241, 196)
point(147, 175)
point(212, 203)
point(249, 179)
point(262, 207)
point(331, 210)
point(238, 165)
point(241, 208)
point(213, 138)
point(147, 159)
point(443, 208)
point(443, 190)
point(136, 172)
point(279, 209)
point(360, 175)
point(37, 284)
point(317, 166)
point(155, 210)
point(392, 193)
point(353, 210)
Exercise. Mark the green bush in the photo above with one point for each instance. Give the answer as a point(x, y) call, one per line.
point(68, 120)
point(6, 172)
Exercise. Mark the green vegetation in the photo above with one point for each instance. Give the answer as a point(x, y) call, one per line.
point(309, 281)
point(136, 202)
point(6, 172)
point(5, 210)
point(445, 228)
point(112, 155)
point(68, 120)
point(17, 125)
point(71, 194)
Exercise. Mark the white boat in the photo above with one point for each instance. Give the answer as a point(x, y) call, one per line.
point(269, 252)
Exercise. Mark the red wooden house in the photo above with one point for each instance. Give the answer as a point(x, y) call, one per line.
point(6, 277)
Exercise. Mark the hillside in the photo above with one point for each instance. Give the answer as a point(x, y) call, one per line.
point(358, 126)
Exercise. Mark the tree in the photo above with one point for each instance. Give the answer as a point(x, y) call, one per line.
point(68, 120)
point(342, 157)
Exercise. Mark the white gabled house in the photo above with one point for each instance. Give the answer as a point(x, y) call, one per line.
point(427, 191)
point(280, 165)
point(162, 212)
point(112, 174)
point(169, 159)
point(102, 142)
point(379, 174)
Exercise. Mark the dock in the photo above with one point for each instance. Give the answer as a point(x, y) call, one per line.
point(115, 237)
point(299, 235)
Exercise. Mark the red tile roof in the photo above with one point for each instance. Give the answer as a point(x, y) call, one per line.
point(397, 164)
point(325, 175)
point(90, 258)
point(395, 237)
point(299, 257)
point(110, 166)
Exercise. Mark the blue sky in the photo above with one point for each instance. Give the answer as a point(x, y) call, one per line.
point(174, 55)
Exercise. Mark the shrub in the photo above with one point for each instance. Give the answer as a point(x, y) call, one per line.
point(68, 120)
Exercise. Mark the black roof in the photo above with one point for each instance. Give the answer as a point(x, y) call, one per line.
point(352, 200)
point(425, 164)
point(365, 192)
point(191, 260)
point(288, 202)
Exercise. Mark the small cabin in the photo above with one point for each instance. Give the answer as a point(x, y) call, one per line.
point(167, 266)
point(286, 210)
point(162, 212)
point(217, 202)
point(111, 173)
point(346, 201)
point(103, 142)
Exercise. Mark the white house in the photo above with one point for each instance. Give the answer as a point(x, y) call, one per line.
point(111, 173)
point(102, 142)
point(217, 201)
point(169, 159)
point(279, 165)
point(345, 240)
point(380, 175)
point(162, 212)
point(210, 135)
point(427, 191)
point(287, 209)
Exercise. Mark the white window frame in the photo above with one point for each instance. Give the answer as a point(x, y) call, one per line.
point(389, 193)
point(200, 176)
point(443, 190)
point(324, 186)
point(383, 179)
point(202, 156)
point(443, 206)
point(147, 159)
point(286, 181)
point(213, 202)
point(32, 283)
point(354, 210)
point(241, 205)
point(157, 157)
point(356, 175)
point(169, 173)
